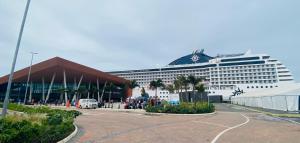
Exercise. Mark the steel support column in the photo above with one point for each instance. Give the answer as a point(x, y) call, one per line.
point(43, 90)
point(98, 92)
point(50, 87)
point(65, 86)
point(103, 90)
point(89, 90)
point(30, 92)
point(77, 88)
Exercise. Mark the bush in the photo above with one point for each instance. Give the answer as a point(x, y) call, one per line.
point(55, 119)
point(182, 108)
point(53, 125)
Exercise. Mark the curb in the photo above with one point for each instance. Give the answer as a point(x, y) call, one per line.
point(68, 138)
point(270, 114)
point(122, 110)
point(149, 113)
point(204, 114)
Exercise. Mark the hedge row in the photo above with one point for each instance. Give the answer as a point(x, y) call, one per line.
point(183, 108)
point(54, 127)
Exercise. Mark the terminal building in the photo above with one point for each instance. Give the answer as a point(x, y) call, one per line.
point(57, 80)
point(224, 75)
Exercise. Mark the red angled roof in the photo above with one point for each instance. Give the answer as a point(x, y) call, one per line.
point(57, 65)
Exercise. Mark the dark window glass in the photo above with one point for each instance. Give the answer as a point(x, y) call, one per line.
point(240, 59)
point(242, 63)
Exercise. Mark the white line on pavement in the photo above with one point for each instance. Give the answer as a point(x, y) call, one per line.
point(228, 129)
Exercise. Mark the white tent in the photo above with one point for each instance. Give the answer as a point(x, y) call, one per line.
point(284, 98)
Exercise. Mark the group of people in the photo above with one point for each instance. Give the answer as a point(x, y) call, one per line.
point(135, 104)
point(141, 103)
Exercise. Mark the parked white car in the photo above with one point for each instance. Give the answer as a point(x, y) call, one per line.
point(88, 103)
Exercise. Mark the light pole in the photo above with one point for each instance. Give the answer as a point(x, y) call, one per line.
point(4, 110)
point(28, 78)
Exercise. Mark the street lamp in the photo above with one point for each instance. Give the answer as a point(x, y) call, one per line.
point(28, 78)
point(4, 110)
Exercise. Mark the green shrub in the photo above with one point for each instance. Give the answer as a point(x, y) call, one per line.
point(182, 108)
point(54, 119)
point(39, 124)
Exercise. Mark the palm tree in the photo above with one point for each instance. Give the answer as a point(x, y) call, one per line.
point(133, 84)
point(193, 81)
point(170, 88)
point(183, 82)
point(143, 92)
point(156, 84)
point(177, 86)
point(200, 88)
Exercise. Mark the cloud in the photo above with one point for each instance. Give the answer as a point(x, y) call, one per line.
point(133, 34)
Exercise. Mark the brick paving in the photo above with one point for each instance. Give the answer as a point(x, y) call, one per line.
point(105, 126)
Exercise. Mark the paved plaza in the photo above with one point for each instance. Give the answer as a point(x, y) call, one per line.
point(230, 124)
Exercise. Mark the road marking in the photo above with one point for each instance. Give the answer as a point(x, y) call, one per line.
point(228, 129)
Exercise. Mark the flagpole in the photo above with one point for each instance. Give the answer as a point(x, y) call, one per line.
point(4, 110)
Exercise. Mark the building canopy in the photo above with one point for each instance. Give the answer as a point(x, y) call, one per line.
point(58, 66)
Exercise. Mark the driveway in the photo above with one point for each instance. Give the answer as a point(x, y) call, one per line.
point(230, 124)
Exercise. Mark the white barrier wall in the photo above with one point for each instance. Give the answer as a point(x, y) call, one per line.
point(284, 98)
point(278, 102)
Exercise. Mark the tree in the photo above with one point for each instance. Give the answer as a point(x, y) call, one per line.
point(193, 81)
point(143, 92)
point(183, 83)
point(156, 84)
point(176, 85)
point(200, 88)
point(170, 88)
point(133, 84)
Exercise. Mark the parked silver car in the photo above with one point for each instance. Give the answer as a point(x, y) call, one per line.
point(88, 103)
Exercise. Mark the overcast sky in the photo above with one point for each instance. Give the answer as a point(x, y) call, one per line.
point(133, 34)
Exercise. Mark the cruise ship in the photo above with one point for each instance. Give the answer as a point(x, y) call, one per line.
point(224, 75)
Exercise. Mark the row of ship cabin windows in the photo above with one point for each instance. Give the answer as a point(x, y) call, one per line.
point(245, 78)
point(162, 73)
point(261, 86)
point(246, 70)
point(161, 76)
point(246, 82)
point(247, 74)
point(242, 67)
